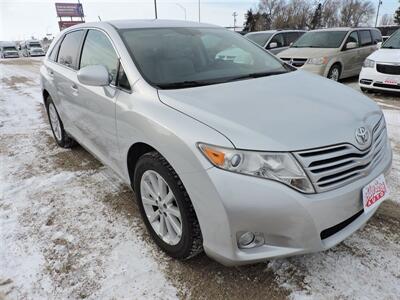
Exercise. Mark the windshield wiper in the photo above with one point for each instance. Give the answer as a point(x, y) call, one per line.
point(185, 84)
point(256, 75)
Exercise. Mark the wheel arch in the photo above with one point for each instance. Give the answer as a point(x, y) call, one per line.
point(134, 153)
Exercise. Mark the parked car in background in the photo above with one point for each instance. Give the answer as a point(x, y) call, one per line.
point(32, 48)
point(387, 31)
point(8, 51)
point(333, 53)
point(381, 70)
point(275, 40)
point(247, 160)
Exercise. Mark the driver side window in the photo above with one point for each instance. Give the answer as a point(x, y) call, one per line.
point(278, 39)
point(353, 38)
point(98, 50)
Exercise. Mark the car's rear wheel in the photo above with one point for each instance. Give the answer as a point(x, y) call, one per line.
point(334, 72)
point(57, 127)
point(166, 208)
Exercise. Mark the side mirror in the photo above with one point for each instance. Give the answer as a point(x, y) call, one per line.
point(351, 45)
point(96, 75)
point(273, 45)
point(379, 45)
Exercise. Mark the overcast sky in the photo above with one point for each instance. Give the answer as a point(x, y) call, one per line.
point(21, 19)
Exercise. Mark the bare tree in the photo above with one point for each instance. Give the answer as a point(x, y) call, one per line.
point(271, 8)
point(330, 13)
point(356, 12)
point(387, 20)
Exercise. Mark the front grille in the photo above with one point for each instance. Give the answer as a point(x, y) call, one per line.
point(335, 166)
point(387, 86)
point(296, 62)
point(388, 69)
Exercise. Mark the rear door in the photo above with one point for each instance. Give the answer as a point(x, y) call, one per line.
point(97, 103)
point(64, 72)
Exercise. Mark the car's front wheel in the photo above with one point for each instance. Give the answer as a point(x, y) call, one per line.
point(57, 127)
point(334, 72)
point(166, 207)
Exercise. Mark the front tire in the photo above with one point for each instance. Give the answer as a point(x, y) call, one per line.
point(334, 72)
point(57, 127)
point(166, 208)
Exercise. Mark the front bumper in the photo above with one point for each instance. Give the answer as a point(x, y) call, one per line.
point(291, 222)
point(316, 69)
point(370, 78)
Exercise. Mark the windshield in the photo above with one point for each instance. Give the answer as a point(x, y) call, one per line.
point(35, 45)
point(259, 38)
point(393, 42)
point(320, 39)
point(185, 57)
point(9, 48)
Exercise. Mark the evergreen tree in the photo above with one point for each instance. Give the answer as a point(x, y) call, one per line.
point(397, 16)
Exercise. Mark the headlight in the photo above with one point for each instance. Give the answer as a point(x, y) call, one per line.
point(369, 63)
point(279, 166)
point(318, 61)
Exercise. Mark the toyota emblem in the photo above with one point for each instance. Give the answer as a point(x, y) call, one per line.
point(362, 135)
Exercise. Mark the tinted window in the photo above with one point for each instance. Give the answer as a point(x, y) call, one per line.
point(376, 36)
point(68, 53)
point(172, 58)
point(365, 38)
point(291, 37)
point(278, 39)
point(123, 80)
point(321, 39)
point(353, 38)
point(393, 42)
point(98, 50)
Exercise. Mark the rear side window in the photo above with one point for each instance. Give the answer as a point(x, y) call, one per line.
point(376, 36)
point(68, 54)
point(365, 37)
point(98, 50)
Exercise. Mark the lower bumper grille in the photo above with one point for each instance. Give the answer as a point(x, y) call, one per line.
point(387, 86)
point(338, 227)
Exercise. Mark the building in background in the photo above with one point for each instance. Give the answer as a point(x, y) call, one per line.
point(69, 14)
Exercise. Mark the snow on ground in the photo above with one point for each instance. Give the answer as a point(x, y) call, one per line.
point(69, 227)
point(56, 220)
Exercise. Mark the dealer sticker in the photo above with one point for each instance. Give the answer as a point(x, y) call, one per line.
point(375, 193)
point(391, 81)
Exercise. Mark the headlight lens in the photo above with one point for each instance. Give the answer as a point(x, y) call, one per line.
point(369, 63)
point(279, 166)
point(318, 61)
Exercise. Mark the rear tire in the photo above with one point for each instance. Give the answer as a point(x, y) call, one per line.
point(184, 242)
point(60, 135)
point(335, 72)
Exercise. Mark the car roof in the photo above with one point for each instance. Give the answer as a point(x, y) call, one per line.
point(156, 23)
point(274, 31)
point(343, 28)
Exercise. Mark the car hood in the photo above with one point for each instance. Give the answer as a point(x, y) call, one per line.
point(386, 55)
point(307, 52)
point(288, 112)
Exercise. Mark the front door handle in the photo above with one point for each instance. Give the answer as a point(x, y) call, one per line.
point(74, 87)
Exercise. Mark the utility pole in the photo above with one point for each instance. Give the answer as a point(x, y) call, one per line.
point(155, 8)
point(199, 11)
point(235, 14)
point(377, 13)
point(183, 8)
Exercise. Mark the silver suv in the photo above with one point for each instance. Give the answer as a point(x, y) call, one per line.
point(334, 53)
point(275, 40)
point(243, 159)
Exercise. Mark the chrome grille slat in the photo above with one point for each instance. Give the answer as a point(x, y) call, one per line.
point(335, 166)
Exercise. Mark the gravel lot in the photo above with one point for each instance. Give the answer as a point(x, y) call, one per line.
point(70, 228)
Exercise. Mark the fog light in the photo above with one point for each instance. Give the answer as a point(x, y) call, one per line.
point(247, 240)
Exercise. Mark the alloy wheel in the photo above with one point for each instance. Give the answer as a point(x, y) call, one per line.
point(161, 207)
point(55, 122)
